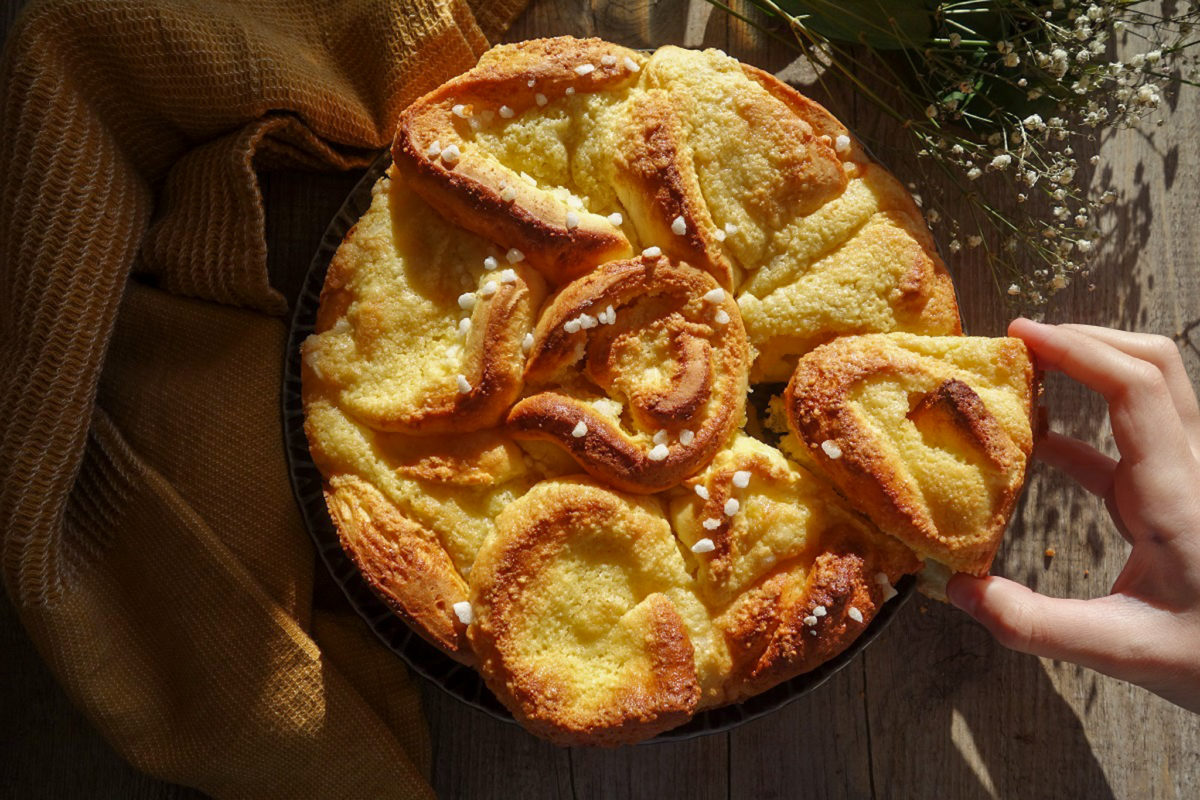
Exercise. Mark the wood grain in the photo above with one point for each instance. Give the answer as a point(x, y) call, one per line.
point(934, 709)
point(48, 749)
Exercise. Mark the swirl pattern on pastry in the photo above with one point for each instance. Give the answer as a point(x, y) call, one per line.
point(583, 616)
point(437, 152)
point(789, 546)
point(929, 435)
point(450, 407)
point(662, 338)
point(794, 620)
point(390, 332)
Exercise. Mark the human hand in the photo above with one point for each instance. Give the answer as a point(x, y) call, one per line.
point(1147, 629)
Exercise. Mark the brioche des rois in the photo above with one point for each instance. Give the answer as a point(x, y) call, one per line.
point(537, 388)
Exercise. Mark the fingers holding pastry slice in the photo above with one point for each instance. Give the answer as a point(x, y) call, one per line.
point(664, 344)
point(929, 435)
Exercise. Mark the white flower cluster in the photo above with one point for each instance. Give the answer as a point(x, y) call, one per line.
point(1062, 59)
point(1003, 117)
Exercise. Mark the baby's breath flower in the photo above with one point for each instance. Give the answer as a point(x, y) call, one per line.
point(1057, 53)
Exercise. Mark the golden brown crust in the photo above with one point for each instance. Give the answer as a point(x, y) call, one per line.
point(825, 127)
point(791, 545)
point(467, 461)
point(954, 411)
point(894, 455)
point(662, 319)
point(359, 357)
point(904, 283)
point(782, 515)
point(774, 633)
point(401, 561)
point(579, 661)
point(656, 181)
point(599, 617)
point(470, 191)
point(491, 364)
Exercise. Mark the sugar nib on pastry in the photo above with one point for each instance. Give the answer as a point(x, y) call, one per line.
point(527, 389)
point(930, 436)
point(662, 337)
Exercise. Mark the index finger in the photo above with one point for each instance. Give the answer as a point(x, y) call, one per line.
point(1146, 424)
point(1164, 354)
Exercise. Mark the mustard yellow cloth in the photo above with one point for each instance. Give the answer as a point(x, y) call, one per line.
point(150, 541)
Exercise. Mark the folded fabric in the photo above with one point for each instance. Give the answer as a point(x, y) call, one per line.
point(151, 545)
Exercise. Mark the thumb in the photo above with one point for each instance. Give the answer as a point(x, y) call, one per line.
point(1106, 634)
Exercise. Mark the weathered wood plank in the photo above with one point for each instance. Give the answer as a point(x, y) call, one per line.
point(819, 742)
point(476, 756)
point(953, 714)
point(697, 769)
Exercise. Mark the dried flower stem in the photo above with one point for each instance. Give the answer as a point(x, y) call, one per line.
point(1000, 116)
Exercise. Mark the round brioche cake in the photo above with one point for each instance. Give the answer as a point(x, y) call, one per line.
point(639, 385)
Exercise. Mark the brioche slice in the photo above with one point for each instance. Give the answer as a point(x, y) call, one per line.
point(864, 263)
point(415, 333)
point(401, 560)
point(713, 144)
point(412, 512)
point(665, 345)
point(929, 436)
point(505, 149)
point(584, 619)
point(759, 512)
point(789, 547)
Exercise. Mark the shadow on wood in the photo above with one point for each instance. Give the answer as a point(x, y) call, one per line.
point(939, 684)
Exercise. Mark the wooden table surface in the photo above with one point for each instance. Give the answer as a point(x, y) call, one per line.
point(934, 708)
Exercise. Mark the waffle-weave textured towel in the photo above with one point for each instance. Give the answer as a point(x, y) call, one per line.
point(150, 541)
